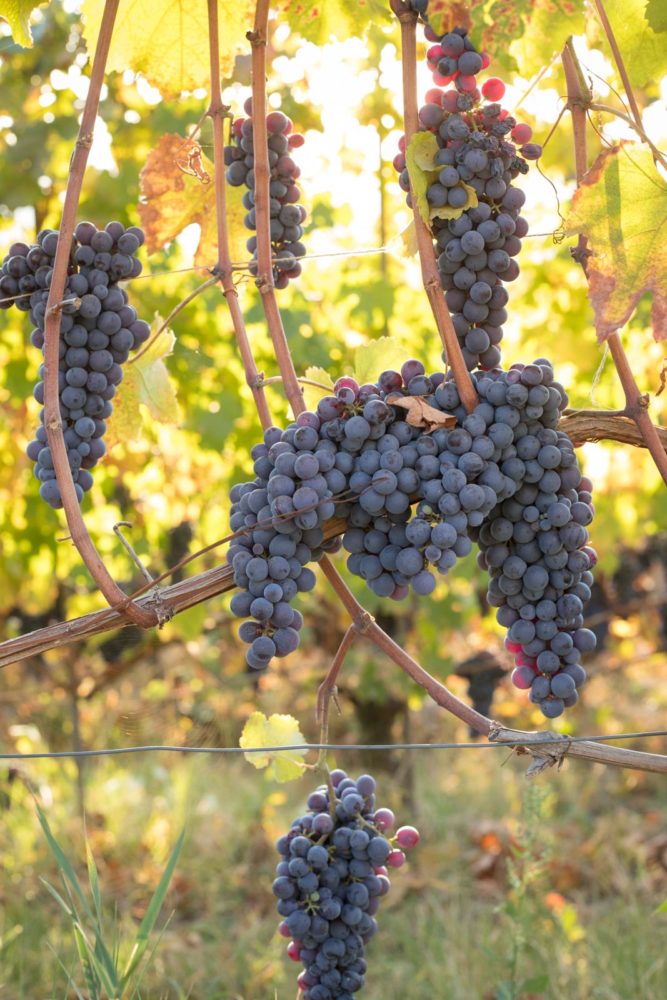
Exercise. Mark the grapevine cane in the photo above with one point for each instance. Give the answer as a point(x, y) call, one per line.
point(52, 420)
point(430, 277)
point(217, 112)
point(636, 402)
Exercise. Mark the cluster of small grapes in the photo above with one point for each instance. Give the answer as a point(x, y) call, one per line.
point(504, 476)
point(287, 217)
point(478, 158)
point(98, 329)
point(330, 880)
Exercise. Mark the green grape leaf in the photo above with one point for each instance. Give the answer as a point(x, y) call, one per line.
point(376, 357)
point(17, 15)
point(663, 907)
point(656, 15)
point(644, 54)
point(420, 158)
point(276, 730)
point(176, 190)
point(621, 208)
point(524, 34)
point(146, 383)
point(311, 393)
point(318, 20)
point(166, 42)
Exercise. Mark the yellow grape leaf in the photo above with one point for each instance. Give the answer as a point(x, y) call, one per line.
point(376, 357)
point(17, 15)
point(146, 383)
point(318, 20)
point(621, 208)
point(277, 730)
point(420, 159)
point(447, 212)
point(167, 41)
point(420, 414)
point(311, 394)
point(174, 194)
point(406, 243)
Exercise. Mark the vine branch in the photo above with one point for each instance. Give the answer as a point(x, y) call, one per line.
point(217, 112)
point(52, 419)
point(429, 269)
point(636, 402)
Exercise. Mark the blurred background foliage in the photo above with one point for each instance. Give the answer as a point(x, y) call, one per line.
point(584, 919)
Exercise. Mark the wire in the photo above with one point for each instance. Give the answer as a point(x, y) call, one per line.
point(116, 751)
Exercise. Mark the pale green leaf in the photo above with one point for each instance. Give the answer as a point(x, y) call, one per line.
point(376, 357)
point(405, 245)
point(420, 159)
point(277, 730)
point(167, 41)
point(656, 15)
point(17, 15)
point(146, 383)
point(663, 907)
point(622, 210)
point(311, 393)
point(644, 53)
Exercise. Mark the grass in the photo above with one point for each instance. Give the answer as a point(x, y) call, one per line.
point(517, 890)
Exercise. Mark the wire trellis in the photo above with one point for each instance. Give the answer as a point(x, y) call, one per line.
point(545, 740)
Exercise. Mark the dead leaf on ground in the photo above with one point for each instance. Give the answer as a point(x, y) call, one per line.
point(420, 414)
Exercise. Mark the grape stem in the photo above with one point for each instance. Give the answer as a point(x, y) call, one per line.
point(142, 617)
point(618, 59)
point(217, 112)
point(172, 315)
point(608, 110)
point(430, 275)
point(636, 402)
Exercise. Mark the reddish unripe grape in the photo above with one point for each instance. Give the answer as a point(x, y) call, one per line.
point(381, 870)
point(435, 53)
point(586, 484)
point(276, 121)
point(407, 837)
point(384, 819)
point(592, 555)
point(466, 83)
point(433, 96)
point(347, 382)
point(303, 981)
point(522, 133)
point(493, 89)
point(449, 101)
point(442, 81)
point(296, 140)
point(486, 60)
point(396, 859)
point(283, 929)
point(531, 151)
point(522, 678)
point(237, 127)
point(294, 950)
point(513, 647)
point(399, 162)
point(522, 660)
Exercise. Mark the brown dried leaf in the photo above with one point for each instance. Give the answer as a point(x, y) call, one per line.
point(176, 191)
point(420, 414)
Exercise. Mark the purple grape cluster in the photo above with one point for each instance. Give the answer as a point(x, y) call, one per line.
point(98, 329)
point(287, 217)
point(503, 477)
point(329, 882)
point(477, 157)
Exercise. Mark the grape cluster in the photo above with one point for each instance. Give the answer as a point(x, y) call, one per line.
point(287, 217)
point(331, 877)
point(98, 329)
point(503, 477)
point(477, 160)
